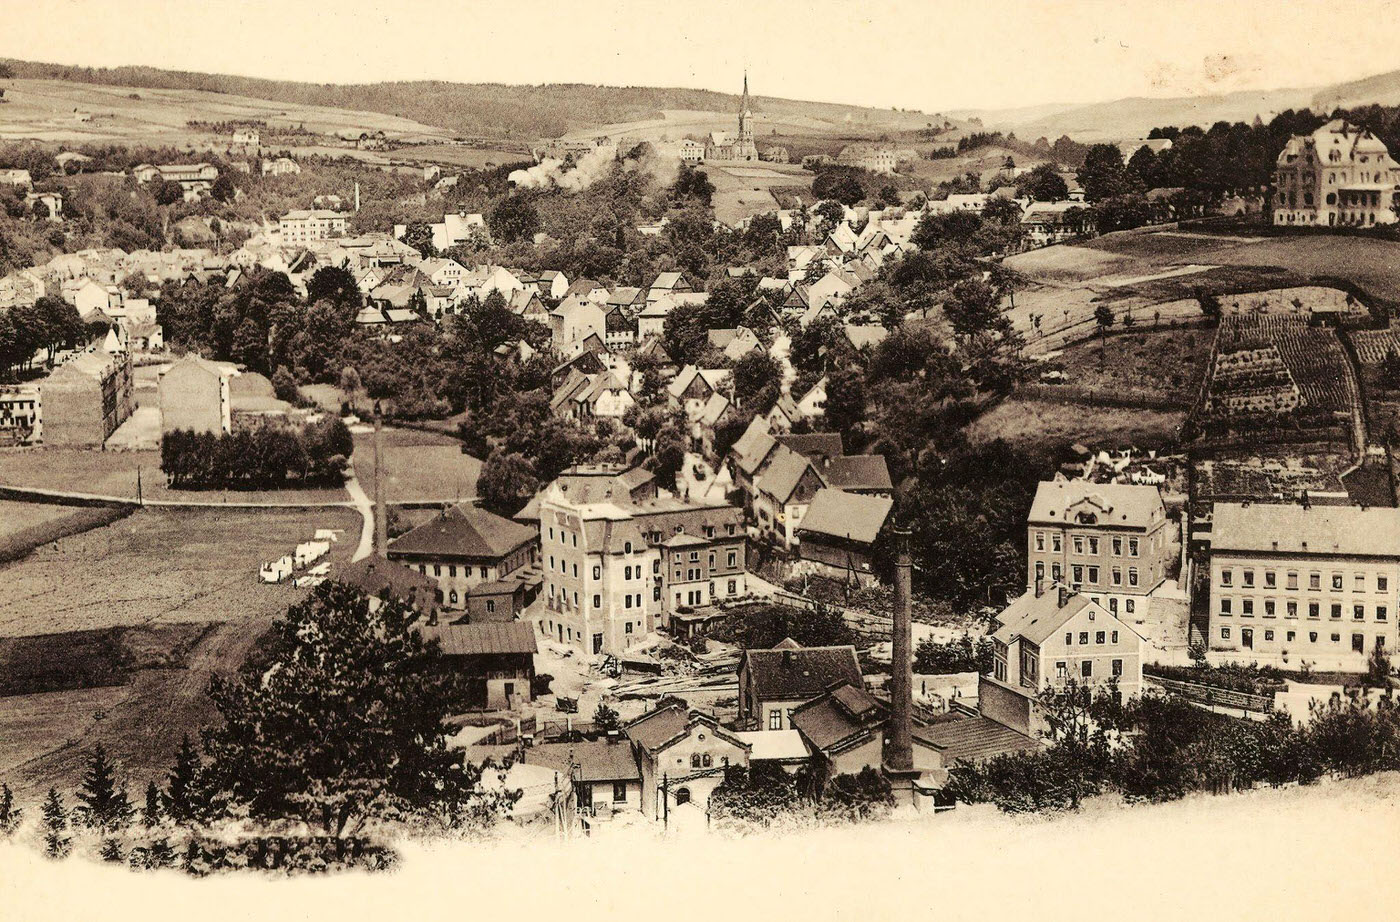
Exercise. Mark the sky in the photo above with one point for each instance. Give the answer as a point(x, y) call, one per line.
point(933, 55)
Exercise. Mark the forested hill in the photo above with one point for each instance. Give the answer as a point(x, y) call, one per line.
point(489, 110)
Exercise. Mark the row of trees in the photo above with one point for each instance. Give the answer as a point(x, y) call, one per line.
point(48, 324)
point(1160, 747)
point(266, 456)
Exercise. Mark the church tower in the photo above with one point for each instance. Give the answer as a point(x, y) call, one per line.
point(744, 147)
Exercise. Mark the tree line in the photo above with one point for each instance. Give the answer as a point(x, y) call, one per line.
point(262, 457)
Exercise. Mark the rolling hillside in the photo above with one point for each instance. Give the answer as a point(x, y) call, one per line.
point(483, 110)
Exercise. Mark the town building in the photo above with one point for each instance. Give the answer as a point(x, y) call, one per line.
point(1340, 175)
point(86, 398)
point(496, 660)
point(838, 534)
point(466, 546)
point(617, 568)
point(194, 395)
point(782, 494)
point(720, 146)
point(247, 137)
point(691, 151)
point(280, 166)
point(604, 773)
point(773, 683)
point(871, 159)
point(682, 755)
point(1046, 223)
point(302, 226)
point(1302, 583)
point(195, 179)
point(1111, 541)
point(21, 414)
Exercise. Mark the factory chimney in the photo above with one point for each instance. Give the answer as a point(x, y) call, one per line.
point(381, 524)
point(899, 746)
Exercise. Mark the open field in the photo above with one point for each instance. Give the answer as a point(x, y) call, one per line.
point(15, 516)
point(115, 473)
point(1032, 423)
point(32, 724)
point(418, 466)
point(56, 110)
point(1165, 364)
point(162, 566)
point(89, 659)
point(476, 158)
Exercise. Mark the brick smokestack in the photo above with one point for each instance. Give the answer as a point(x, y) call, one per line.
point(381, 523)
point(899, 755)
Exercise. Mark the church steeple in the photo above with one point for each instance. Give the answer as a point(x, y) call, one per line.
point(745, 115)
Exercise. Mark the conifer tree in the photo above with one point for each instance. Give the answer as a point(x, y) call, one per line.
point(104, 804)
point(161, 854)
point(111, 850)
point(184, 801)
point(151, 814)
point(10, 815)
point(57, 843)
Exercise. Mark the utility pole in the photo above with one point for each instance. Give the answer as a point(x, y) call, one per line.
point(381, 525)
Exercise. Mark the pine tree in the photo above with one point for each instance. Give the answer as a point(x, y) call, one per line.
point(111, 850)
point(56, 843)
point(183, 800)
point(10, 815)
point(161, 854)
point(104, 804)
point(152, 812)
point(193, 860)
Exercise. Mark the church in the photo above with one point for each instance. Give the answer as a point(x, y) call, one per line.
point(720, 146)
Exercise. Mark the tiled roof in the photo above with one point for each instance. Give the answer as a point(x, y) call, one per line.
point(483, 639)
point(464, 531)
point(818, 446)
point(598, 760)
point(846, 515)
point(786, 674)
point(858, 472)
point(1037, 617)
point(753, 447)
point(652, 730)
point(973, 739)
point(375, 576)
point(1296, 529)
point(784, 473)
point(832, 719)
point(1118, 504)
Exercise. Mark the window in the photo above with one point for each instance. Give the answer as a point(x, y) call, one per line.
point(1086, 669)
point(1128, 606)
point(656, 593)
point(1132, 576)
point(482, 574)
point(437, 569)
point(732, 587)
point(695, 756)
point(619, 792)
point(1336, 610)
point(1113, 605)
point(627, 629)
point(1292, 579)
point(1314, 580)
point(1117, 668)
point(627, 600)
point(1358, 612)
point(452, 596)
point(1248, 578)
point(1078, 571)
point(626, 572)
point(1224, 633)
point(597, 572)
point(1094, 546)
point(1227, 577)
point(1132, 547)
point(1117, 547)
point(1337, 581)
point(1247, 608)
point(656, 565)
point(1382, 582)
point(775, 720)
point(1098, 636)
point(1291, 636)
point(1380, 613)
point(490, 605)
point(732, 559)
point(597, 601)
point(1359, 583)
point(1069, 638)
point(1055, 542)
point(1312, 636)
point(575, 571)
point(1336, 638)
point(1270, 579)
point(1061, 671)
point(694, 556)
point(627, 547)
point(1083, 637)
point(1226, 605)
point(452, 569)
point(1055, 572)
point(1040, 541)
point(1078, 544)
point(1093, 574)
point(1117, 576)
point(1314, 610)
point(1268, 608)
point(1292, 609)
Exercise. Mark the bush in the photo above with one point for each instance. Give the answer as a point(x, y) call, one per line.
point(265, 457)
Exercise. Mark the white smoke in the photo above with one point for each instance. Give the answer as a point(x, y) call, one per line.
point(585, 171)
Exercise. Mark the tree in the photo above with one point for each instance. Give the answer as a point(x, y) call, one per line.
point(350, 384)
point(111, 851)
point(973, 309)
point(284, 385)
point(1102, 172)
point(693, 183)
point(105, 805)
point(1210, 306)
point(845, 407)
point(1043, 183)
point(1103, 316)
point(187, 799)
point(507, 482)
point(859, 796)
point(344, 721)
point(166, 192)
point(840, 185)
point(10, 815)
point(605, 719)
point(223, 189)
point(57, 844)
point(513, 218)
point(151, 813)
point(419, 235)
point(889, 196)
point(758, 379)
point(337, 285)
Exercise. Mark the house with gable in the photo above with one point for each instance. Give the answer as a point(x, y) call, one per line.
point(668, 283)
point(839, 534)
point(682, 754)
point(782, 494)
point(773, 683)
point(693, 387)
point(465, 546)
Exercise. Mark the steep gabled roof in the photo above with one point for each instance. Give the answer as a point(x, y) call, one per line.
point(819, 446)
point(593, 761)
point(786, 673)
point(753, 447)
point(858, 472)
point(784, 473)
point(846, 515)
point(507, 637)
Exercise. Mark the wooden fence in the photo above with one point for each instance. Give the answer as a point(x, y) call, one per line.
point(1213, 694)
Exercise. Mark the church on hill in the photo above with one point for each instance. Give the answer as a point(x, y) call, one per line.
point(720, 146)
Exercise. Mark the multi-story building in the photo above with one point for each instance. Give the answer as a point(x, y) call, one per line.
point(1340, 174)
point(194, 395)
point(86, 398)
point(21, 417)
point(304, 226)
point(1111, 541)
point(615, 568)
point(467, 547)
point(1296, 583)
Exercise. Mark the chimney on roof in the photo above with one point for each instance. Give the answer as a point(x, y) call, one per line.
point(787, 657)
point(1064, 595)
point(899, 748)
